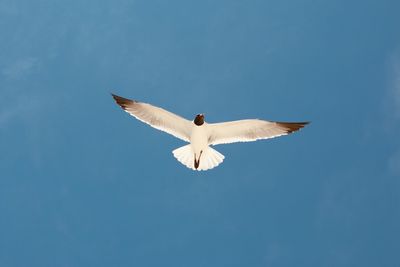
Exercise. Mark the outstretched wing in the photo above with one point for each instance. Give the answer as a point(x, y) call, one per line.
point(156, 117)
point(250, 130)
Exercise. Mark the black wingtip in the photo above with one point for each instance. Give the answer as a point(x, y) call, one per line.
point(121, 101)
point(291, 127)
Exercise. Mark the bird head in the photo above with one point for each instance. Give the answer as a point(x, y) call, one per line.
point(199, 119)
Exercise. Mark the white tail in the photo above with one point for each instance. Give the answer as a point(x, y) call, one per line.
point(209, 159)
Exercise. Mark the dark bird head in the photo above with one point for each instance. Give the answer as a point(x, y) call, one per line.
point(199, 120)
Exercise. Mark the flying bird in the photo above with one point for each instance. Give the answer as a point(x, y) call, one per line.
point(198, 154)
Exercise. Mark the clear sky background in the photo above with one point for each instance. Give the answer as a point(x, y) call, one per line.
point(84, 184)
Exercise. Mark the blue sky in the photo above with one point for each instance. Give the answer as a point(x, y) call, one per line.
point(84, 184)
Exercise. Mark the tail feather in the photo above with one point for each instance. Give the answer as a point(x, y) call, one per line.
point(185, 156)
point(210, 158)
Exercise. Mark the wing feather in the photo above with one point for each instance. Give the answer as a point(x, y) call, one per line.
point(156, 117)
point(250, 130)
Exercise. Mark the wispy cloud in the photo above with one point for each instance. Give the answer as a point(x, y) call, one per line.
point(20, 68)
point(7, 115)
point(8, 8)
point(392, 111)
point(396, 88)
point(391, 100)
point(18, 110)
point(26, 113)
point(394, 163)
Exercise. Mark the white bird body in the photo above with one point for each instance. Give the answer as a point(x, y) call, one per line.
point(198, 155)
point(199, 138)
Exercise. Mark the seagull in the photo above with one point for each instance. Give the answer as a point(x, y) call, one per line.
point(198, 154)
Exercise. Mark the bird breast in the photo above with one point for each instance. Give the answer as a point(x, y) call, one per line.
point(199, 138)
